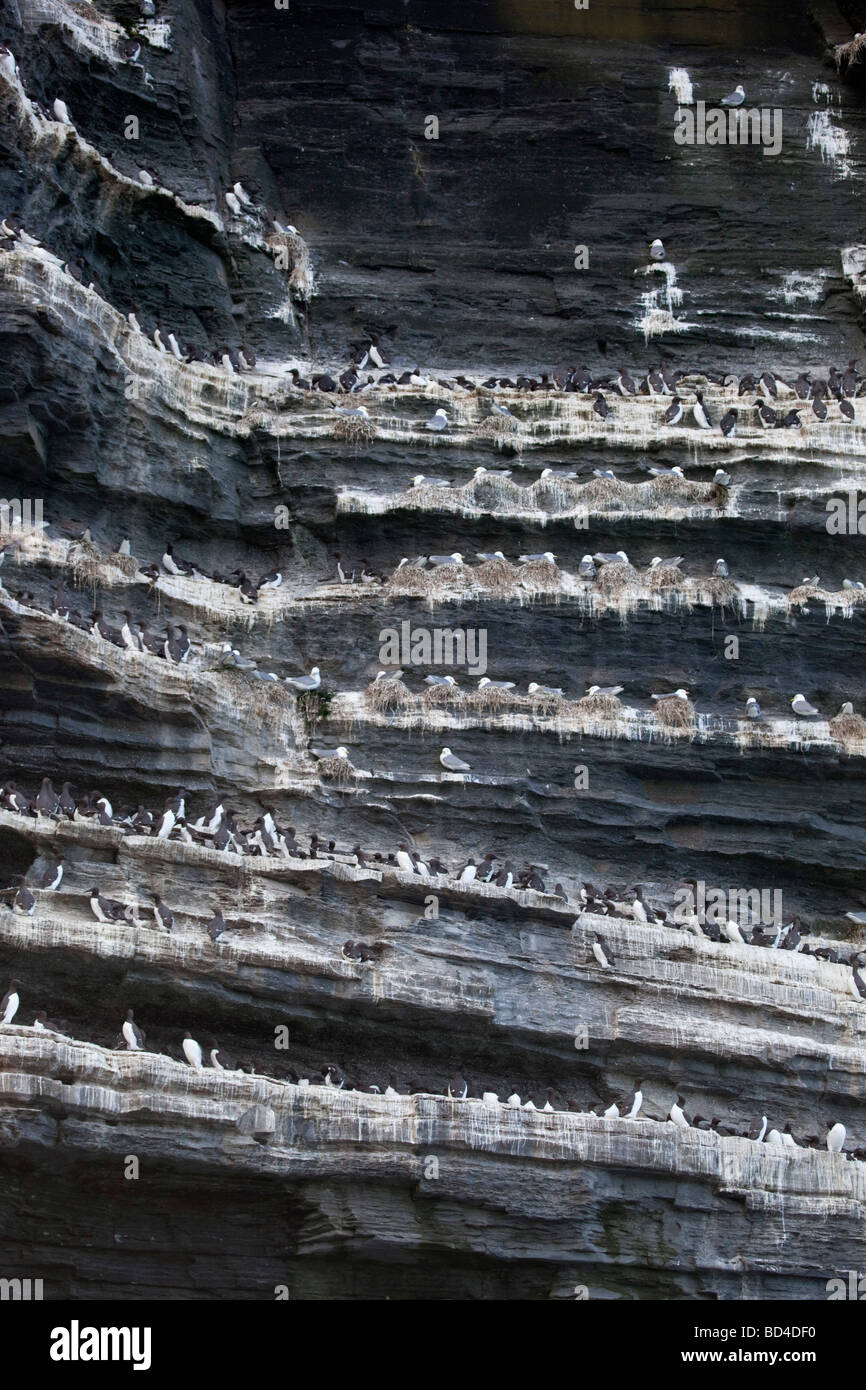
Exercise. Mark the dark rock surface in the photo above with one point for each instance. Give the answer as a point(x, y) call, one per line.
point(555, 129)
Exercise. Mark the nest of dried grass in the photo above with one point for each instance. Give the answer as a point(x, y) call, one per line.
point(500, 430)
point(408, 582)
point(445, 579)
point(385, 695)
point(671, 488)
point(264, 704)
point(601, 706)
point(87, 563)
point(442, 696)
point(604, 493)
point(718, 590)
point(496, 576)
point(547, 706)
point(127, 564)
point(301, 281)
point(617, 579)
point(555, 494)
point(848, 728)
point(430, 499)
point(354, 429)
point(492, 699)
point(802, 595)
point(847, 54)
point(541, 576)
point(665, 577)
point(335, 769)
point(495, 494)
point(674, 713)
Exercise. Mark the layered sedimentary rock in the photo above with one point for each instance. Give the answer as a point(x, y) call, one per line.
point(457, 254)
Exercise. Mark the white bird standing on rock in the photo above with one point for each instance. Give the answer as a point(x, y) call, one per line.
point(61, 111)
point(835, 1137)
point(677, 1113)
point(233, 203)
point(452, 763)
point(438, 421)
point(637, 1102)
point(657, 250)
point(191, 1050)
point(800, 705)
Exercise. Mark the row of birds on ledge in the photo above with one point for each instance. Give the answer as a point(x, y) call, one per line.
point(175, 646)
point(815, 394)
point(132, 1038)
point(218, 826)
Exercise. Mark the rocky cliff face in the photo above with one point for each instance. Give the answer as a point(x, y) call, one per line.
point(551, 129)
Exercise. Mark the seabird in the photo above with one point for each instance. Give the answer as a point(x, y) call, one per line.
point(439, 680)
point(419, 480)
point(455, 559)
point(543, 690)
point(657, 250)
point(721, 478)
point(162, 914)
point(677, 1113)
point(846, 409)
point(452, 763)
point(24, 902)
point(458, 1087)
point(637, 1102)
point(547, 555)
point(586, 568)
point(601, 407)
point(720, 570)
point(486, 684)
point(699, 413)
point(556, 473)
point(680, 694)
point(467, 873)
point(605, 690)
point(728, 426)
point(51, 877)
point(835, 1134)
point(486, 555)
point(658, 562)
point(598, 952)
point(10, 1001)
point(734, 98)
point(482, 472)
point(241, 194)
point(438, 421)
point(341, 752)
point(216, 926)
point(604, 557)
point(272, 580)
point(7, 62)
point(61, 111)
point(753, 709)
point(234, 203)
point(104, 909)
point(800, 705)
point(191, 1050)
point(133, 1035)
point(674, 413)
point(303, 683)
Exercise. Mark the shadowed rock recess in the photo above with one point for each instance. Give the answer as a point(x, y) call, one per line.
point(431, 191)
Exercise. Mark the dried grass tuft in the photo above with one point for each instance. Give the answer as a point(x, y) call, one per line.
point(802, 594)
point(541, 577)
point(354, 429)
point(127, 564)
point(442, 696)
point(499, 429)
point(494, 494)
point(669, 488)
point(408, 582)
point(385, 695)
point(665, 577)
point(87, 564)
point(675, 714)
point(600, 706)
point(301, 281)
point(617, 579)
point(496, 576)
point(548, 706)
point(604, 493)
point(446, 579)
point(263, 704)
point(336, 769)
point(847, 54)
point(848, 728)
point(491, 699)
point(718, 590)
